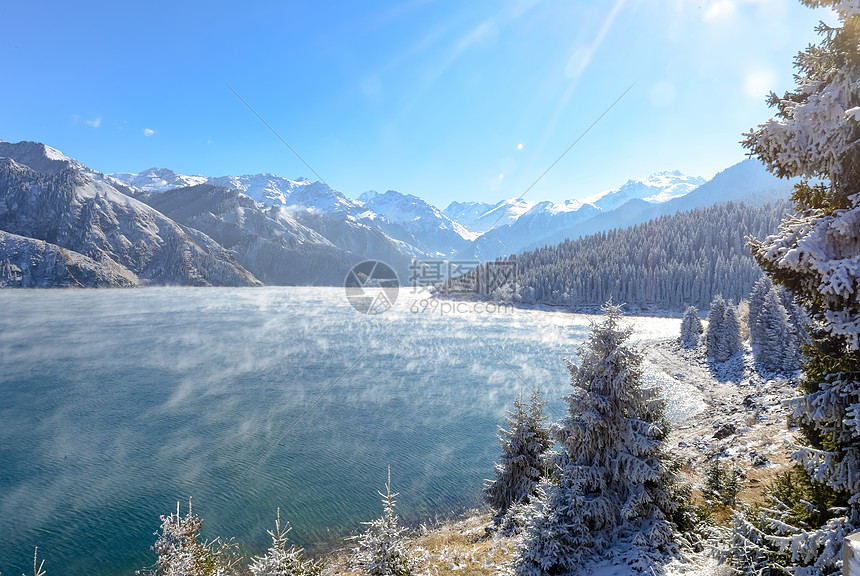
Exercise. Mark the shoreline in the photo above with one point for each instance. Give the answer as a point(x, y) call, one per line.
point(595, 310)
point(744, 416)
point(746, 423)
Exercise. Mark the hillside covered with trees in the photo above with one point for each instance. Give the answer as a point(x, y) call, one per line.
point(666, 264)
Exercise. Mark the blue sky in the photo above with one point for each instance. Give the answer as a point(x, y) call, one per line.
point(448, 100)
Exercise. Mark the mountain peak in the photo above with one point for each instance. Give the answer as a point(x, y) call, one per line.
point(369, 196)
point(38, 156)
point(158, 179)
point(657, 188)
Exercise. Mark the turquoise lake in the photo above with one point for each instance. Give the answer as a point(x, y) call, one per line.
point(116, 404)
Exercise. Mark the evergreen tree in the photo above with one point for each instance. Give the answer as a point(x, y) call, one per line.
point(774, 344)
point(557, 537)
point(381, 549)
point(614, 482)
point(742, 312)
point(723, 338)
point(183, 552)
point(797, 318)
point(280, 560)
point(731, 332)
point(757, 296)
point(816, 255)
point(722, 485)
point(714, 334)
point(525, 445)
point(691, 328)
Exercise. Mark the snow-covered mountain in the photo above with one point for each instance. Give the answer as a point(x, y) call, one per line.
point(53, 205)
point(271, 244)
point(655, 189)
point(474, 229)
point(479, 217)
point(747, 181)
point(158, 179)
point(464, 230)
point(345, 223)
point(417, 228)
point(267, 189)
point(437, 234)
point(563, 219)
point(63, 224)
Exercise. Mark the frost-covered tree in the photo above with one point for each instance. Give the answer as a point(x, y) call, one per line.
point(723, 337)
point(773, 342)
point(381, 550)
point(525, 447)
point(731, 332)
point(182, 551)
point(713, 336)
point(615, 479)
point(757, 296)
point(691, 328)
point(742, 312)
point(281, 560)
point(797, 318)
point(816, 255)
point(777, 327)
point(557, 538)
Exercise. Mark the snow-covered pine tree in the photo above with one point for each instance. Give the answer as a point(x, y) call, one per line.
point(742, 312)
point(816, 255)
point(797, 318)
point(381, 549)
point(757, 296)
point(723, 337)
point(773, 343)
point(615, 480)
point(751, 551)
point(691, 328)
point(731, 332)
point(714, 333)
point(280, 560)
point(183, 552)
point(525, 446)
point(557, 539)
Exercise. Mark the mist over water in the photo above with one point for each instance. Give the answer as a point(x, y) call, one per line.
point(114, 404)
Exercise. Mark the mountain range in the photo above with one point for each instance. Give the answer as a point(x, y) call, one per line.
point(65, 224)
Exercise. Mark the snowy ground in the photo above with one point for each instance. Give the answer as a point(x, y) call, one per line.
point(746, 419)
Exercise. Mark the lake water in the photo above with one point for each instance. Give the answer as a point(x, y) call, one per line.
point(114, 404)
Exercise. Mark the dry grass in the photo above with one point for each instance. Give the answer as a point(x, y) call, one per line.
point(458, 548)
point(759, 478)
point(462, 548)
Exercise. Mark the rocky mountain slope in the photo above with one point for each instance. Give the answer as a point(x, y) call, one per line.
point(271, 244)
point(436, 234)
point(47, 197)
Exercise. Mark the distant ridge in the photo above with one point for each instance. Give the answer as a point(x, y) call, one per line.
point(162, 227)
